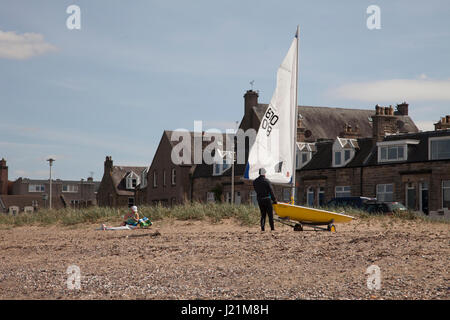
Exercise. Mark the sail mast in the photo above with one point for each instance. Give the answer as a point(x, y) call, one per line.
point(294, 150)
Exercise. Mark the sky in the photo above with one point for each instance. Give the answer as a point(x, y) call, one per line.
point(137, 68)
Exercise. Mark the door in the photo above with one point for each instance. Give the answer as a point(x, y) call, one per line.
point(237, 197)
point(424, 197)
point(411, 196)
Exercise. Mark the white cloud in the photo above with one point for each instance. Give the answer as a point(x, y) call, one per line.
point(425, 125)
point(23, 46)
point(422, 89)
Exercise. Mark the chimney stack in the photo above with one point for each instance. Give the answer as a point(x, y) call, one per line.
point(108, 164)
point(402, 109)
point(384, 121)
point(3, 177)
point(250, 101)
point(443, 124)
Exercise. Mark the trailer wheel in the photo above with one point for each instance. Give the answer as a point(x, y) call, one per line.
point(298, 227)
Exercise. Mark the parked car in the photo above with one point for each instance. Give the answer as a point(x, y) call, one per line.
point(377, 207)
point(354, 202)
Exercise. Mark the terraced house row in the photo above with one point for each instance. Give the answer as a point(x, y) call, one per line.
point(376, 152)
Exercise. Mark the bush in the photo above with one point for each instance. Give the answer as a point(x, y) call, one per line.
point(215, 212)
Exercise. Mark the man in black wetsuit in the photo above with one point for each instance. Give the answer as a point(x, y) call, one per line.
point(265, 196)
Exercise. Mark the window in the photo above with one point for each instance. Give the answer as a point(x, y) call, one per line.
point(346, 155)
point(69, 188)
point(446, 194)
point(220, 168)
point(144, 178)
point(440, 148)
point(337, 158)
point(321, 196)
point(385, 192)
point(304, 157)
point(392, 153)
point(74, 202)
point(174, 176)
point(36, 188)
point(210, 197)
point(155, 179)
point(343, 191)
point(253, 199)
point(310, 197)
point(132, 180)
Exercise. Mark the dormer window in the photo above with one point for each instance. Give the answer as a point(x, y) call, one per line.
point(389, 151)
point(343, 151)
point(304, 153)
point(132, 180)
point(439, 148)
point(144, 178)
point(222, 162)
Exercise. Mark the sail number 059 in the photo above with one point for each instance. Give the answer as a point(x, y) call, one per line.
point(270, 119)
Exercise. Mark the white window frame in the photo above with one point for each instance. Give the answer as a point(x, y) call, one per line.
point(384, 192)
point(210, 197)
point(389, 148)
point(341, 146)
point(253, 198)
point(70, 188)
point(144, 178)
point(430, 140)
point(36, 186)
point(394, 144)
point(341, 190)
point(310, 191)
point(303, 149)
point(129, 180)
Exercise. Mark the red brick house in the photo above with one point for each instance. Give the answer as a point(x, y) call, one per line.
point(412, 168)
point(118, 185)
point(31, 194)
point(314, 124)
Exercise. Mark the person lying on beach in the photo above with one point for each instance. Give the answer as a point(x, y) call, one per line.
point(132, 218)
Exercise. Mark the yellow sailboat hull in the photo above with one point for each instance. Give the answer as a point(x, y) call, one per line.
point(309, 215)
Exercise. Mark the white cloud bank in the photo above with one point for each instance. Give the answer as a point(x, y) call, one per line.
point(23, 46)
point(422, 89)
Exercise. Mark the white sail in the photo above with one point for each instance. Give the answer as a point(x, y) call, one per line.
point(273, 148)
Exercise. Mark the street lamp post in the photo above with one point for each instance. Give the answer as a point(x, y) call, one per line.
point(50, 161)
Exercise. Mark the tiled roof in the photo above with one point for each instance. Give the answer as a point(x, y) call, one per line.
point(328, 123)
point(118, 175)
